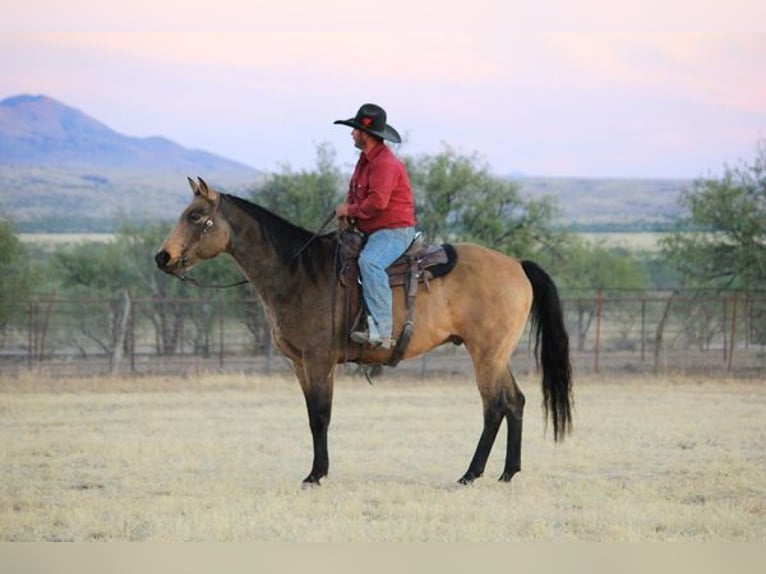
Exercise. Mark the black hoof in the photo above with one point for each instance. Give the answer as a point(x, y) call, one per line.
point(310, 482)
point(468, 478)
point(507, 476)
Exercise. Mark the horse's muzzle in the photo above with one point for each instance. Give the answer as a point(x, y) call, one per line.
point(162, 259)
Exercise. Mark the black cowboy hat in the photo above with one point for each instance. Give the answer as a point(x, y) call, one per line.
point(372, 119)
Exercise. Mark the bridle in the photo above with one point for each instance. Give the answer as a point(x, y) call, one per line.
point(207, 226)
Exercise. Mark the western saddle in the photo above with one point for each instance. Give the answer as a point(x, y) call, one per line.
point(420, 263)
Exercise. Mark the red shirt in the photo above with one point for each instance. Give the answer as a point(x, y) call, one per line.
point(379, 194)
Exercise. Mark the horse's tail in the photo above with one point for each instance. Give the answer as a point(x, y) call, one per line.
point(551, 349)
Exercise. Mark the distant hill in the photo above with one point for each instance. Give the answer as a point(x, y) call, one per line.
point(61, 170)
point(610, 204)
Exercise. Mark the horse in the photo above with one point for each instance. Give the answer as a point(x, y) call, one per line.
point(483, 304)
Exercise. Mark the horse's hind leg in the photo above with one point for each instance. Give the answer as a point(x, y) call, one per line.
point(514, 419)
point(493, 416)
point(501, 398)
point(492, 387)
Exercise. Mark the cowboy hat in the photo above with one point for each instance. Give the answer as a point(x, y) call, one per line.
point(372, 119)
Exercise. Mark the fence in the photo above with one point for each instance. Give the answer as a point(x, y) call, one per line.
point(658, 332)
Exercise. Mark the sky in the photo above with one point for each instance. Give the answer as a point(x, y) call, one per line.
point(586, 88)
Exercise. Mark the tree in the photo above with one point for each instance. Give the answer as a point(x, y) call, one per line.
point(586, 268)
point(91, 269)
point(174, 318)
point(589, 267)
point(107, 270)
point(441, 184)
point(459, 200)
point(496, 215)
point(16, 275)
point(721, 237)
point(721, 241)
point(305, 198)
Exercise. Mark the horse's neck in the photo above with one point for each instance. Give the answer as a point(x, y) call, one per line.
point(250, 247)
point(270, 275)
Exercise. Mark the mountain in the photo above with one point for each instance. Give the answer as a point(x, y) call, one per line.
point(60, 169)
point(610, 204)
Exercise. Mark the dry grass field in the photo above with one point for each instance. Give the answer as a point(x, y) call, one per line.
point(221, 457)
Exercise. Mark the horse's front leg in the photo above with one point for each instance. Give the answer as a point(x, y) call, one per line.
point(317, 385)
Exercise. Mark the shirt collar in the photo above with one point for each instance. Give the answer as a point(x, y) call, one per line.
point(374, 152)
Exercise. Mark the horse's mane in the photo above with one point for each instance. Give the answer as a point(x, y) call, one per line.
point(286, 238)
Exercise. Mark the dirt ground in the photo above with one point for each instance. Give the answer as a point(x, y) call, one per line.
point(215, 457)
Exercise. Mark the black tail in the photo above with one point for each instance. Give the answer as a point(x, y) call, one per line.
point(548, 326)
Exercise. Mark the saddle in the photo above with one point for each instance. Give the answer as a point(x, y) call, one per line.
point(420, 263)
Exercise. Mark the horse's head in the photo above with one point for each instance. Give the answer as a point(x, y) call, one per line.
point(201, 232)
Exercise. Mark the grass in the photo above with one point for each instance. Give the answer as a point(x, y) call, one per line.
point(631, 241)
point(55, 240)
point(220, 458)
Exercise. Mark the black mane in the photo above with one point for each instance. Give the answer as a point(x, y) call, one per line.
point(286, 238)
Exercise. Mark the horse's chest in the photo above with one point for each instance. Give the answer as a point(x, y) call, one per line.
point(284, 345)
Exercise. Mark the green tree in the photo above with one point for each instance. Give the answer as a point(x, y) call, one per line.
point(305, 198)
point(441, 183)
point(16, 275)
point(91, 269)
point(460, 200)
point(583, 269)
point(178, 310)
point(126, 264)
point(588, 267)
point(497, 216)
point(721, 241)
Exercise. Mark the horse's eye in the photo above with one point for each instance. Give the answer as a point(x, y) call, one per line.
point(195, 217)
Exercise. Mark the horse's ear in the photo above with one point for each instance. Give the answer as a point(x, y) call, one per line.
point(194, 186)
point(203, 190)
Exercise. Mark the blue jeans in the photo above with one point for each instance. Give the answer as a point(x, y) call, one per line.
point(383, 247)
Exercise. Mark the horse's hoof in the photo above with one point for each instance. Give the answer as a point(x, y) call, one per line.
point(467, 480)
point(507, 476)
point(310, 482)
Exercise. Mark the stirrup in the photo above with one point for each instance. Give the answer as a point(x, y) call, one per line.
point(363, 338)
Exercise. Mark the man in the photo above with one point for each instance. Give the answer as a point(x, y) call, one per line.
point(381, 204)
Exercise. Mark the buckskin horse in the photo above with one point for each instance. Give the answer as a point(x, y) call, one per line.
point(483, 303)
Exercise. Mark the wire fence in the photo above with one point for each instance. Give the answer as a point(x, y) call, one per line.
point(609, 332)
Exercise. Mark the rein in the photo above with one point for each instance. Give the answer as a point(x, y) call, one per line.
point(197, 283)
point(316, 234)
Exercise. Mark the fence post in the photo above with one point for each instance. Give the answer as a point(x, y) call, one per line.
point(660, 333)
point(599, 303)
point(269, 356)
point(46, 323)
point(643, 329)
point(724, 320)
point(220, 334)
point(32, 332)
point(732, 339)
point(122, 329)
point(132, 340)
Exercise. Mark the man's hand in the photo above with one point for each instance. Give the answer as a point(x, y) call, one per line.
point(342, 210)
